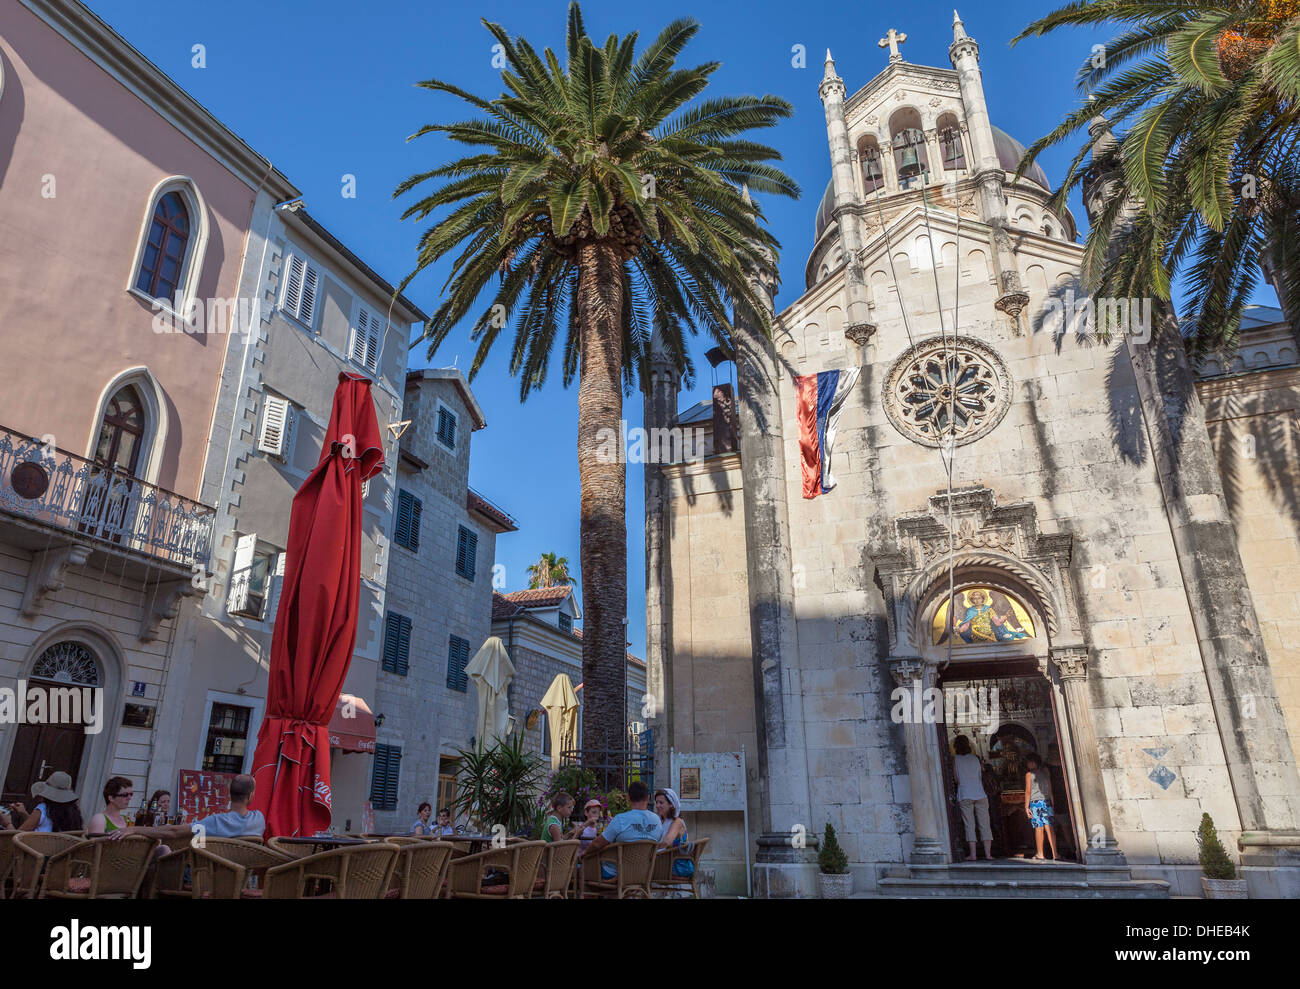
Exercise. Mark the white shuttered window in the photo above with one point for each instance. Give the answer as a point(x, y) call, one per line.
point(301, 289)
point(275, 433)
point(366, 337)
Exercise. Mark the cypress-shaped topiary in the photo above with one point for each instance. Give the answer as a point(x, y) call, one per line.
point(1215, 863)
point(831, 858)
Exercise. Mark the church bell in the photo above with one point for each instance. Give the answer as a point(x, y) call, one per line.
point(910, 164)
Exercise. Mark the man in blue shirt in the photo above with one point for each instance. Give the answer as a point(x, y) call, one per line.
point(238, 822)
point(636, 824)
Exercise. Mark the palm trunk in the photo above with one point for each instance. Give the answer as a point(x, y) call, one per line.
point(603, 551)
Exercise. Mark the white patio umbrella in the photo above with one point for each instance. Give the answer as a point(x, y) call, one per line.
point(491, 671)
point(561, 706)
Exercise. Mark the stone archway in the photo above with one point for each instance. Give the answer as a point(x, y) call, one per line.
point(1000, 548)
point(73, 655)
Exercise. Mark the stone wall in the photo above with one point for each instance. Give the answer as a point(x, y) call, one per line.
point(422, 715)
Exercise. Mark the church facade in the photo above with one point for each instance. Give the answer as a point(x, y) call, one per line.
point(954, 508)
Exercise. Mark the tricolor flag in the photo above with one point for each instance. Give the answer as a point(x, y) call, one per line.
point(821, 398)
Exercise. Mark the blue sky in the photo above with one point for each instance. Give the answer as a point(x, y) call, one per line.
point(324, 88)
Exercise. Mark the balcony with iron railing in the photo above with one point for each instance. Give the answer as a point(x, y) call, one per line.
point(48, 495)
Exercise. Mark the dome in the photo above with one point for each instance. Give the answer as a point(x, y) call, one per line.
point(1009, 150)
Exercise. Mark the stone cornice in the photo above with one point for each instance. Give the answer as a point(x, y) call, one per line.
point(80, 26)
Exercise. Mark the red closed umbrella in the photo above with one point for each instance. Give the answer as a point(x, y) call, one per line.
point(316, 622)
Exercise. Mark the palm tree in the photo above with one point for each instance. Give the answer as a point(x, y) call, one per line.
point(550, 571)
point(1206, 182)
point(599, 197)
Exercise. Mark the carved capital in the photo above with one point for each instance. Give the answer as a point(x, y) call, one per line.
point(860, 333)
point(48, 574)
point(907, 671)
point(1013, 303)
point(165, 604)
point(1071, 662)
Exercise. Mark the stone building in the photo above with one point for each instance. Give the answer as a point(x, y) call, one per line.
point(321, 312)
point(1029, 542)
point(125, 212)
point(439, 605)
point(537, 627)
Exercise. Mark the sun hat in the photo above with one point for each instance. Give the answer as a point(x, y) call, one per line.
point(57, 788)
point(593, 802)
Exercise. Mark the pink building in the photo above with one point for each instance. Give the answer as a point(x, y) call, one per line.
point(124, 205)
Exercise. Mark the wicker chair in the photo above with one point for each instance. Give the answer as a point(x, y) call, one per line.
point(294, 851)
point(519, 861)
point(220, 870)
point(556, 880)
point(420, 868)
point(664, 879)
point(355, 872)
point(635, 862)
point(6, 860)
point(31, 849)
point(99, 869)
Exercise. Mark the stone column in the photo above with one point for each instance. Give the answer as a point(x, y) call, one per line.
point(832, 94)
point(780, 869)
point(916, 676)
point(1071, 664)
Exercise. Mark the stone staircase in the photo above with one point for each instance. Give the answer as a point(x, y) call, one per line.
point(1019, 878)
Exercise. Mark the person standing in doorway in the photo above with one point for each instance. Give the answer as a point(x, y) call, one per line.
point(1038, 804)
point(971, 798)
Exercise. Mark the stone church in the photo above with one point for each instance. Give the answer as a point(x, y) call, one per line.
point(1045, 539)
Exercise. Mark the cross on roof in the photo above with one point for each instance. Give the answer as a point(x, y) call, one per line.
point(892, 41)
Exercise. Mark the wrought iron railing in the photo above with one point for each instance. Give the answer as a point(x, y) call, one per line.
point(52, 487)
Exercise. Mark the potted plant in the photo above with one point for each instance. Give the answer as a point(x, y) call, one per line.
point(499, 786)
point(836, 882)
point(1219, 876)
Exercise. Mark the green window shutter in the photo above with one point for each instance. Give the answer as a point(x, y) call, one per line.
point(397, 643)
point(407, 530)
point(447, 428)
point(466, 552)
point(457, 660)
point(387, 775)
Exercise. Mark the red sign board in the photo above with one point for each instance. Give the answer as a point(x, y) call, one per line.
point(202, 793)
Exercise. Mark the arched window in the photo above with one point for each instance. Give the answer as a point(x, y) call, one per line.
point(873, 175)
point(950, 143)
point(122, 431)
point(911, 159)
point(163, 261)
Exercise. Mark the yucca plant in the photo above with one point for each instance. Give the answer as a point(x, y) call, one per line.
point(499, 784)
point(601, 203)
point(1206, 97)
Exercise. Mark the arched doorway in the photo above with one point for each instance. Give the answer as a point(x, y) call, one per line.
point(989, 642)
point(44, 748)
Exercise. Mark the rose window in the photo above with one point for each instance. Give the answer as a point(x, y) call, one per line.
point(940, 389)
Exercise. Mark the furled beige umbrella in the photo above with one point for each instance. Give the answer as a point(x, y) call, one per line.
point(561, 706)
point(491, 671)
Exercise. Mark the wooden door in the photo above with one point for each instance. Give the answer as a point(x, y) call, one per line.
point(1066, 834)
point(38, 751)
point(956, 830)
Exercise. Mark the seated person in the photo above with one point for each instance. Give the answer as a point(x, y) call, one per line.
point(444, 825)
point(422, 825)
point(117, 795)
point(635, 824)
point(669, 808)
point(238, 822)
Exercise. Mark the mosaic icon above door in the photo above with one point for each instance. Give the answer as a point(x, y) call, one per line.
point(982, 615)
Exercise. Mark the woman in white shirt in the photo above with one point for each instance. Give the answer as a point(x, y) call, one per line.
point(972, 800)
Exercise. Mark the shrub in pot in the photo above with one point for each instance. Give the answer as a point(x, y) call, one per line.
point(836, 882)
point(1218, 874)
